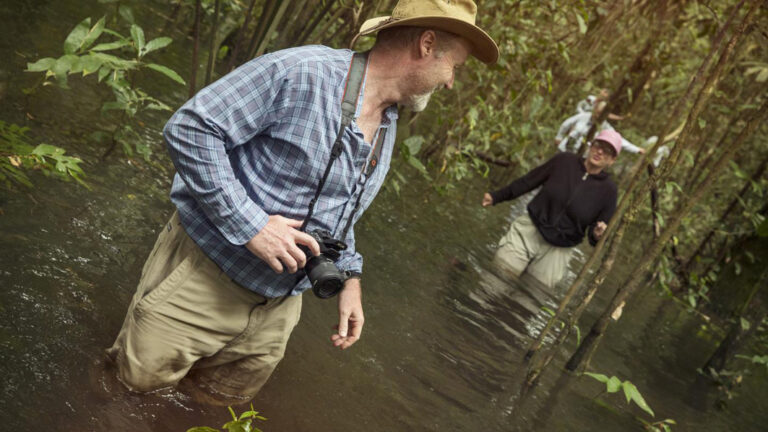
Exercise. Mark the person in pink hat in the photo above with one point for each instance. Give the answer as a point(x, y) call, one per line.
point(577, 198)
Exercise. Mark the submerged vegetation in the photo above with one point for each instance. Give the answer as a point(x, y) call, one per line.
point(689, 77)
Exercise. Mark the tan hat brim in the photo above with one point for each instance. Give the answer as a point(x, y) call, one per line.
point(483, 46)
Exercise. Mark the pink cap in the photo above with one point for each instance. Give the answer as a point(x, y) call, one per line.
point(611, 137)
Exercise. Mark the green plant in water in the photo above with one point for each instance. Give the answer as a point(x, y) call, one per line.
point(241, 423)
point(83, 56)
point(18, 155)
point(632, 394)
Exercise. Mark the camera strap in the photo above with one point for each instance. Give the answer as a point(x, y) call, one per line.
point(352, 87)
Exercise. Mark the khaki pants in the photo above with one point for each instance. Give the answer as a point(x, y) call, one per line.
point(523, 249)
point(188, 318)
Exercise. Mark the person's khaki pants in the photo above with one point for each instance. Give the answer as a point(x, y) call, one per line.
point(188, 319)
point(523, 249)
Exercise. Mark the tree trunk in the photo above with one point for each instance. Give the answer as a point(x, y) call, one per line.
point(590, 342)
point(307, 31)
point(212, 43)
point(738, 334)
point(195, 50)
point(732, 206)
point(240, 37)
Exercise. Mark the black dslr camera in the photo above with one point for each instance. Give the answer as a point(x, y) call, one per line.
point(326, 279)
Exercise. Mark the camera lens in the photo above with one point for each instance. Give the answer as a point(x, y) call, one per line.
point(325, 278)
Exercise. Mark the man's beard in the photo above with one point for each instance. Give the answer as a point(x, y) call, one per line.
point(418, 103)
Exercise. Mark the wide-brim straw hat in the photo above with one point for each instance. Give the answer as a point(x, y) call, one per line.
point(452, 16)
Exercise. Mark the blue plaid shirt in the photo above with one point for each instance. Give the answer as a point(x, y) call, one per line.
point(256, 143)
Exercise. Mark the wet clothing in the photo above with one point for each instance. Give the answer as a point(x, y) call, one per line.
point(253, 144)
point(523, 249)
point(575, 128)
point(570, 202)
point(256, 143)
point(187, 316)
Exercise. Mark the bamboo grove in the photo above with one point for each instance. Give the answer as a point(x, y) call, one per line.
point(693, 74)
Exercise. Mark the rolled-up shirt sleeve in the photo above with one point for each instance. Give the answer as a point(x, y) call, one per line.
point(200, 135)
point(350, 259)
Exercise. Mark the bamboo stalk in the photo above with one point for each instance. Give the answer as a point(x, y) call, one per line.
point(212, 43)
point(588, 346)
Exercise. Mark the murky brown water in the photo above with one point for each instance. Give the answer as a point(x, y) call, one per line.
point(443, 340)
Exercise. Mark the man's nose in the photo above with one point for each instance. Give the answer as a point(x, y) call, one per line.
point(449, 84)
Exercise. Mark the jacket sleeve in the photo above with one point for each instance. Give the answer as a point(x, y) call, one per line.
point(566, 126)
point(606, 213)
point(200, 135)
point(530, 181)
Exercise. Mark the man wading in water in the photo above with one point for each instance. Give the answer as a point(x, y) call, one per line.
point(577, 197)
point(273, 171)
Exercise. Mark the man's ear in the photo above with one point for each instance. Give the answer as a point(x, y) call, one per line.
point(427, 43)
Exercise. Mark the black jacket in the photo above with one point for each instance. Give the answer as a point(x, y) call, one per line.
point(570, 201)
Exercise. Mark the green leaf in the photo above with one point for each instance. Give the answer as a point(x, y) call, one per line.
point(77, 36)
point(582, 24)
point(600, 377)
point(156, 44)
point(93, 34)
point(115, 62)
point(578, 334)
point(549, 311)
point(126, 13)
point(111, 45)
point(413, 144)
point(167, 72)
point(89, 64)
point(137, 34)
point(63, 66)
point(103, 72)
point(744, 323)
point(613, 385)
point(632, 394)
point(41, 65)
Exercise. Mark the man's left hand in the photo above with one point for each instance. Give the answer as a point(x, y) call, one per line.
point(350, 315)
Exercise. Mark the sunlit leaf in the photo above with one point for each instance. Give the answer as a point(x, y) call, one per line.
point(167, 72)
point(76, 37)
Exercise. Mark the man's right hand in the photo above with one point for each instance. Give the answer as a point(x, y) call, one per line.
point(277, 244)
point(487, 200)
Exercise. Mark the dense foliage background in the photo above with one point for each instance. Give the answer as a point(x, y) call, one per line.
point(689, 75)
